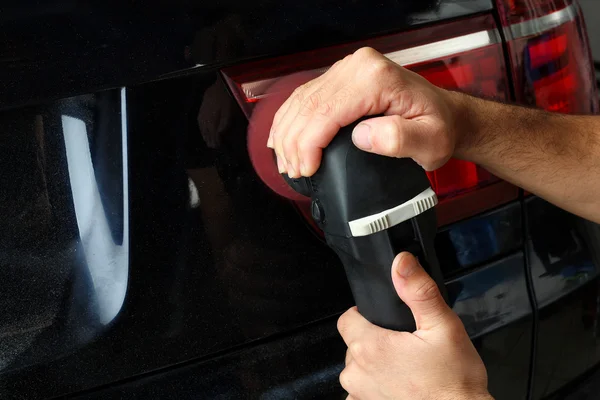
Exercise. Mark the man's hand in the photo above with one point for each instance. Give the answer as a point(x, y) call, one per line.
point(418, 121)
point(437, 361)
point(552, 155)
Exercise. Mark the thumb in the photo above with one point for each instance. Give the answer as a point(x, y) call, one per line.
point(420, 293)
point(391, 136)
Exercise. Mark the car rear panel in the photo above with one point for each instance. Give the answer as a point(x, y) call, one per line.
point(65, 47)
point(138, 241)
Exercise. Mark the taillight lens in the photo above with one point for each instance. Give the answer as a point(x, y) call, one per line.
point(462, 55)
point(549, 53)
point(515, 11)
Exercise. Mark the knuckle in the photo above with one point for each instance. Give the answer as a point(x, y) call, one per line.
point(304, 145)
point(325, 110)
point(313, 101)
point(366, 52)
point(277, 117)
point(388, 139)
point(380, 67)
point(393, 137)
point(335, 105)
point(342, 324)
point(346, 379)
point(289, 146)
point(358, 352)
point(309, 104)
point(297, 96)
point(426, 290)
point(300, 89)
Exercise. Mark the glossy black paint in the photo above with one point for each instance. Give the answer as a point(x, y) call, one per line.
point(227, 292)
point(506, 355)
point(492, 296)
point(563, 258)
point(62, 48)
point(64, 240)
point(479, 239)
point(216, 260)
point(305, 364)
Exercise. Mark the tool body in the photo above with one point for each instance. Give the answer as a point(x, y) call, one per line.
point(371, 208)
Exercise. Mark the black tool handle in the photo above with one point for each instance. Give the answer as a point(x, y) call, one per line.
point(352, 184)
point(368, 260)
point(375, 296)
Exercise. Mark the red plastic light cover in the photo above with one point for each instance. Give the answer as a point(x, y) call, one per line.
point(464, 55)
point(550, 57)
point(515, 11)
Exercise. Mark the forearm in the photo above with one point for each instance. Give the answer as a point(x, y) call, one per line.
point(554, 156)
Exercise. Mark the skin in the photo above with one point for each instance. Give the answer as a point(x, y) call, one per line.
point(437, 361)
point(554, 156)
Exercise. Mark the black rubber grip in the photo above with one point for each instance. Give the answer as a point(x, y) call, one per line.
point(351, 184)
point(375, 296)
point(368, 261)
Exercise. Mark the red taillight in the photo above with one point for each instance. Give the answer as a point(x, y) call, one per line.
point(514, 11)
point(549, 54)
point(462, 55)
point(550, 66)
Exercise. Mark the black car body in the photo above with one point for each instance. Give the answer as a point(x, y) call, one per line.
point(142, 257)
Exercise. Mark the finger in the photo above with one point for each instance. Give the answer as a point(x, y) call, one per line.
point(280, 130)
point(294, 83)
point(356, 382)
point(391, 136)
point(348, 359)
point(352, 379)
point(299, 113)
point(304, 114)
point(420, 293)
point(353, 326)
point(289, 86)
point(344, 107)
point(297, 87)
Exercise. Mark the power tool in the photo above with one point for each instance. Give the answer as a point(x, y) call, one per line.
point(370, 208)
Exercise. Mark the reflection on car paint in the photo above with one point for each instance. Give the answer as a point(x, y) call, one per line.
point(563, 258)
point(479, 239)
point(559, 246)
point(506, 355)
point(106, 260)
point(64, 243)
point(568, 341)
point(491, 297)
point(306, 365)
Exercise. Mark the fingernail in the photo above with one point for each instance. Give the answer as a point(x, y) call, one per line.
point(302, 168)
point(361, 136)
point(405, 265)
point(291, 170)
point(280, 166)
point(270, 140)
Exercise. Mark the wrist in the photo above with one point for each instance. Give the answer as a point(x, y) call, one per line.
point(465, 123)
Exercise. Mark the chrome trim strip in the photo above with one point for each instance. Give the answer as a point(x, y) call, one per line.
point(256, 89)
point(542, 24)
point(444, 48)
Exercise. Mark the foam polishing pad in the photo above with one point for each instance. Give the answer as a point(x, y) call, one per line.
point(259, 125)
